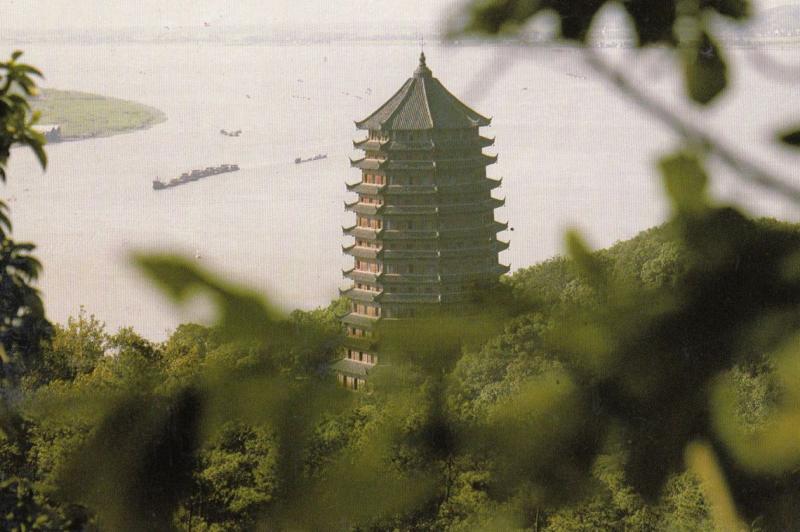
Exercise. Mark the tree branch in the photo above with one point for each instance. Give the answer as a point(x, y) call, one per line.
point(747, 170)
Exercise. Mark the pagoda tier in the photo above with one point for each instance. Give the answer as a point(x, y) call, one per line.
point(405, 190)
point(425, 234)
point(434, 144)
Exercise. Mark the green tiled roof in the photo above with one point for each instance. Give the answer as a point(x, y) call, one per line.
point(351, 368)
point(359, 320)
point(360, 295)
point(425, 145)
point(423, 103)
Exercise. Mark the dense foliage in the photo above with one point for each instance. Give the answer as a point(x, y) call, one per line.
point(92, 390)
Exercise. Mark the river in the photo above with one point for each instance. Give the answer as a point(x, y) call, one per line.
point(573, 153)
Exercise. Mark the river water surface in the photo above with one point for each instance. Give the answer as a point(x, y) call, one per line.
point(573, 153)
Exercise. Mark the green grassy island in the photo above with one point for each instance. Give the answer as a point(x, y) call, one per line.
point(82, 115)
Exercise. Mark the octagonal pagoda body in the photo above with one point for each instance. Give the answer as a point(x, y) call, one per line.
point(425, 234)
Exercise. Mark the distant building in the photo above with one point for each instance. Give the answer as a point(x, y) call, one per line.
point(425, 231)
point(51, 132)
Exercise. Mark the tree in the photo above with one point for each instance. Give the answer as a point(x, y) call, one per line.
point(22, 322)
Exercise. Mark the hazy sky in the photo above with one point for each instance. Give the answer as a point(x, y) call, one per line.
point(89, 14)
point(52, 14)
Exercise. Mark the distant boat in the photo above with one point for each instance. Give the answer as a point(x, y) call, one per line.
point(194, 175)
point(317, 157)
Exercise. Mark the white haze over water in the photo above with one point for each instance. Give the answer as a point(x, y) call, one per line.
point(572, 153)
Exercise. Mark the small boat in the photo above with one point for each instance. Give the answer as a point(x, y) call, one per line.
point(317, 157)
point(194, 175)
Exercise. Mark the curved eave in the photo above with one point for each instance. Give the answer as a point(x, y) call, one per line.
point(361, 343)
point(365, 296)
point(477, 119)
point(499, 227)
point(359, 320)
point(362, 232)
point(360, 252)
point(398, 145)
point(367, 164)
point(362, 277)
point(402, 190)
point(494, 183)
point(411, 210)
point(364, 188)
point(488, 205)
point(472, 162)
point(461, 144)
point(409, 254)
point(409, 165)
point(495, 247)
point(363, 208)
point(419, 299)
point(351, 368)
point(390, 146)
point(494, 227)
point(413, 278)
point(370, 144)
point(402, 234)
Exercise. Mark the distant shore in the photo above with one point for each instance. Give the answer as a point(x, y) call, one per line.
point(82, 115)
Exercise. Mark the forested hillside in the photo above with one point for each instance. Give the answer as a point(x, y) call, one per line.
point(235, 478)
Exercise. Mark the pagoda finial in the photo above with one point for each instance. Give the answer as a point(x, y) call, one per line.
point(422, 69)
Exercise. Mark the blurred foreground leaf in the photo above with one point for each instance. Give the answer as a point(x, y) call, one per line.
point(242, 314)
point(705, 70)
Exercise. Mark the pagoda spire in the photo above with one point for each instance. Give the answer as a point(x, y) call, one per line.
point(422, 69)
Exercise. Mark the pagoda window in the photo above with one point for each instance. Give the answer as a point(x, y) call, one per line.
point(366, 266)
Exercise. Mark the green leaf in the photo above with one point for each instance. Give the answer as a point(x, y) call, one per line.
point(653, 20)
point(791, 137)
point(685, 181)
point(705, 71)
point(588, 265)
point(738, 9)
point(241, 314)
point(496, 16)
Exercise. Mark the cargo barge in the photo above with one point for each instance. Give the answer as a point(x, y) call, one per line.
point(194, 175)
point(314, 158)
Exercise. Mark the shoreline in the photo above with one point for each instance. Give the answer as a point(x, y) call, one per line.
point(83, 115)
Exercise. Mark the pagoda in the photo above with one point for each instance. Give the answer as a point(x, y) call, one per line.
point(425, 233)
